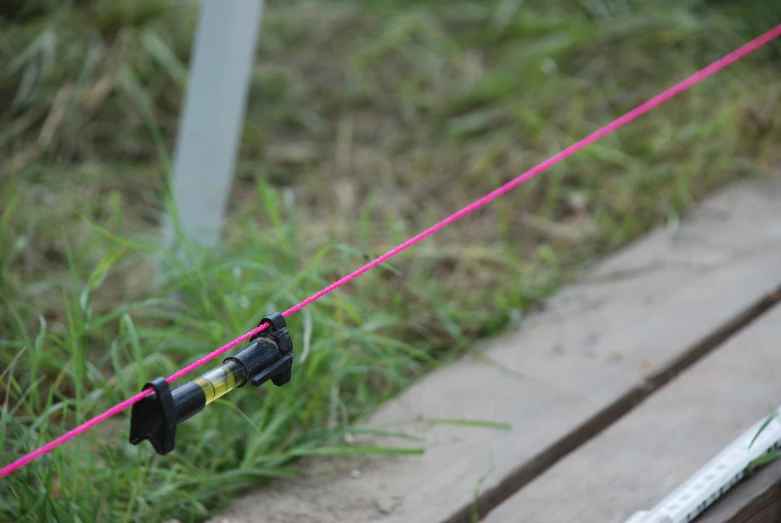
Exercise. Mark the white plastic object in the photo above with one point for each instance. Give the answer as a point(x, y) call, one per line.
point(717, 476)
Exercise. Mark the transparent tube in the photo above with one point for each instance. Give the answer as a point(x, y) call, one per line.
point(218, 382)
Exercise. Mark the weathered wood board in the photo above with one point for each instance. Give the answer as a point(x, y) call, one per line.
point(645, 455)
point(585, 361)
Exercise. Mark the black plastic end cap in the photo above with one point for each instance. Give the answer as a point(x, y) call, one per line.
point(280, 372)
point(154, 418)
point(275, 321)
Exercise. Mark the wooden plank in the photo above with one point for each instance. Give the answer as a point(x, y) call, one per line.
point(755, 500)
point(584, 362)
point(640, 459)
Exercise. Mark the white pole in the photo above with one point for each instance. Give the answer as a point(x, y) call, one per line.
point(212, 116)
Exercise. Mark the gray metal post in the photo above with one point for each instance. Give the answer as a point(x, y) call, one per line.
point(212, 117)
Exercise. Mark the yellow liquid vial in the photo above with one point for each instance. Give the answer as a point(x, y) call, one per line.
point(218, 382)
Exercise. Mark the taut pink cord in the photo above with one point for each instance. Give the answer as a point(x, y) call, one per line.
point(569, 151)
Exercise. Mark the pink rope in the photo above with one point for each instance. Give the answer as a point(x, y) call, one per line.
point(569, 151)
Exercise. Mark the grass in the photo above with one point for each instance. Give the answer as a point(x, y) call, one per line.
point(367, 121)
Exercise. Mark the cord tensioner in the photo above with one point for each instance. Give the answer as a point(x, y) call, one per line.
point(268, 356)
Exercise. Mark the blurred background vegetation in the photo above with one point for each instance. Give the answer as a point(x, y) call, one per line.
point(367, 121)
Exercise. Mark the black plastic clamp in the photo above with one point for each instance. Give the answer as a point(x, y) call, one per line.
point(280, 369)
point(154, 418)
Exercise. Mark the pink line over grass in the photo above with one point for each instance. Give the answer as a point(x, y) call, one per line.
point(697, 77)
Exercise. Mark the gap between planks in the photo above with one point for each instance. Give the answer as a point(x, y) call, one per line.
point(603, 345)
point(622, 406)
point(644, 456)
